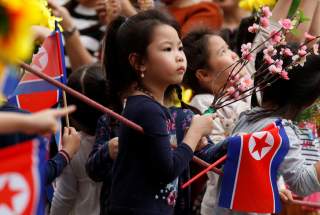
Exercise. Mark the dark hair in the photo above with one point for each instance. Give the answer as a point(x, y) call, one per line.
point(126, 36)
point(289, 97)
point(90, 81)
point(196, 50)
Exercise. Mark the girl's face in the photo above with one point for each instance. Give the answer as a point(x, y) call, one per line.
point(165, 63)
point(220, 57)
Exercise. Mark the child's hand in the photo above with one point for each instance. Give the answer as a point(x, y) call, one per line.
point(70, 141)
point(202, 124)
point(113, 10)
point(286, 195)
point(40, 33)
point(60, 11)
point(146, 4)
point(45, 121)
point(202, 143)
point(113, 147)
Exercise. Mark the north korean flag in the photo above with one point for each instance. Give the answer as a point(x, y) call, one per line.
point(22, 178)
point(250, 172)
point(33, 93)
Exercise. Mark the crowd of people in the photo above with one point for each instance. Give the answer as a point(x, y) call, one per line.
point(137, 58)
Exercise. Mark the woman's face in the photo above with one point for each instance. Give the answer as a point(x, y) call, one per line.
point(221, 57)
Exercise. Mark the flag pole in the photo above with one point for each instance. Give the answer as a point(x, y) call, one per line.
point(62, 68)
point(65, 104)
point(98, 106)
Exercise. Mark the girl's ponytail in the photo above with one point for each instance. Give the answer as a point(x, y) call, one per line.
point(112, 64)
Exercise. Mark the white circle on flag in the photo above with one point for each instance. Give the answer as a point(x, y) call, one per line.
point(40, 60)
point(260, 143)
point(16, 183)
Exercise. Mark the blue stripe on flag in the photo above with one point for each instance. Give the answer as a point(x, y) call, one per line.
point(230, 171)
point(35, 86)
point(42, 153)
point(276, 163)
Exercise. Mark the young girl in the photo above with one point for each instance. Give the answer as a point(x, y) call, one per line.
point(144, 55)
point(75, 190)
point(285, 99)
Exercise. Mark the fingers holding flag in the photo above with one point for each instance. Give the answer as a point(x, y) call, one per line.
point(46, 121)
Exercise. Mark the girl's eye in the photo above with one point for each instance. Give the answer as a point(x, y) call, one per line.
point(168, 49)
point(181, 48)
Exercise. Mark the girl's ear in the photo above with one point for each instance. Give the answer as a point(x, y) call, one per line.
point(136, 62)
point(203, 75)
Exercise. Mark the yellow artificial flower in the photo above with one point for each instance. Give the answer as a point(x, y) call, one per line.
point(254, 5)
point(16, 19)
point(186, 95)
point(47, 19)
point(15, 32)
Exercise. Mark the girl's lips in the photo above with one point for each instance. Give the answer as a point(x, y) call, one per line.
point(181, 70)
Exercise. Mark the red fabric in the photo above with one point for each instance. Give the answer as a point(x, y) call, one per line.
point(203, 14)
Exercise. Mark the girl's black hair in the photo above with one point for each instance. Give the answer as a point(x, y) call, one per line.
point(287, 98)
point(196, 50)
point(90, 81)
point(126, 36)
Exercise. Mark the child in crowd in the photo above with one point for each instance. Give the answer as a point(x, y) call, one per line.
point(285, 99)
point(75, 191)
point(144, 55)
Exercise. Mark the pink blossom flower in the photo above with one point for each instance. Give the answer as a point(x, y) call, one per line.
point(245, 83)
point(309, 37)
point(242, 88)
point(264, 22)
point(231, 90)
point(284, 75)
point(236, 95)
point(302, 51)
point(316, 49)
point(286, 52)
point(234, 79)
point(254, 28)
point(268, 59)
point(279, 63)
point(286, 24)
point(270, 51)
point(245, 49)
point(275, 37)
point(300, 60)
point(266, 12)
point(273, 69)
point(248, 56)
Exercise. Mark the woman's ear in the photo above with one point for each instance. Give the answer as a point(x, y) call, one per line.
point(137, 62)
point(203, 75)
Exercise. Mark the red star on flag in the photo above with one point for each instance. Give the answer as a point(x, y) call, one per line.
point(6, 195)
point(260, 144)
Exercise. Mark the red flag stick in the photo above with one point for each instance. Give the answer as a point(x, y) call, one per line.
point(222, 159)
point(99, 106)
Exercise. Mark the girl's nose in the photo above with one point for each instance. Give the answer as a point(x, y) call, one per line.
point(234, 56)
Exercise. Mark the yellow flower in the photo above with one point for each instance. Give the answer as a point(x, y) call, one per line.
point(16, 40)
point(186, 95)
point(16, 19)
point(254, 5)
